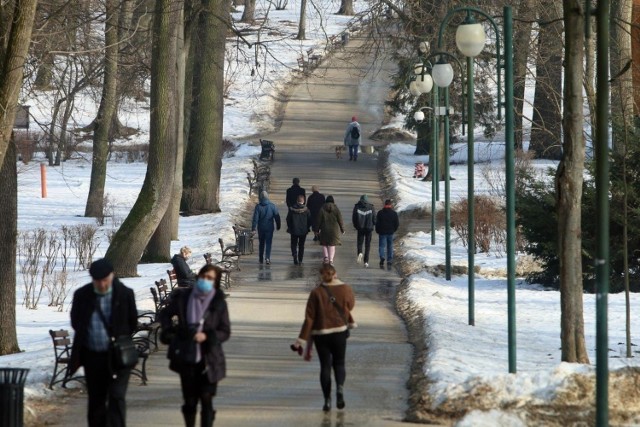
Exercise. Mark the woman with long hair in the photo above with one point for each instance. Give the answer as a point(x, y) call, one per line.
point(326, 324)
point(195, 324)
point(329, 228)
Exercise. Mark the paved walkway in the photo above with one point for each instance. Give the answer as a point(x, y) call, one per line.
point(267, 384)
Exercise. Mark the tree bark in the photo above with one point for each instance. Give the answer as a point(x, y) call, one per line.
point(622, 85)
point(155, 196)
point(569, 180)
point(203, 158)
point(302, 24)
point(546, 129)
point(346, 8)
point(11, 72)
point(423, 139)
point(8, 237)
point(102, 123)
point(521, 49)
point(248, 15)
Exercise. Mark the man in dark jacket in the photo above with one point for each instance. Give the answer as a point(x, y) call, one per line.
point(294, 191)
point(364, 221)
point(387, 224)
point(298, 225)
point(315, 203)
point(184, 275)
point(265, 216)
point(106, 386)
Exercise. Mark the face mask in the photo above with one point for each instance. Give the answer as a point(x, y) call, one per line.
point(205, 286)
point(103, 293)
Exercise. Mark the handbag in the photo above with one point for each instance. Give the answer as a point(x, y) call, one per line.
point(341, 311)
point(182, 348)
point(123, 353)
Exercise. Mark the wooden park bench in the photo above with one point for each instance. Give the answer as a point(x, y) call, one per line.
point(313, 59)
point(230, 254)
point(62, 350)
point(173, 278)
point(225, 266)
point(268, 150)
point(163, 290)
point(303, 65)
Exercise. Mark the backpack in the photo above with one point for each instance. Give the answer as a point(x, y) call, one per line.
point(355, 132)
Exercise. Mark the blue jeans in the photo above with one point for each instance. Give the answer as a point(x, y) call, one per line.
point(265, 238)
point(386, 242)
point(353, 151)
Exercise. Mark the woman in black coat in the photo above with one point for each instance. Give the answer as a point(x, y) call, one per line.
point(196, 322)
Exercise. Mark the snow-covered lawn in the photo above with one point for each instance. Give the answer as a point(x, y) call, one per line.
point(468, 360)
point(67, 193)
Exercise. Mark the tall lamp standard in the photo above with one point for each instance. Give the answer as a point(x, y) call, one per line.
point(470, 40)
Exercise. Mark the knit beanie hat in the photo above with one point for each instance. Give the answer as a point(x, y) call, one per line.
point(100, 269)
point(364, 198)
point(329, 199)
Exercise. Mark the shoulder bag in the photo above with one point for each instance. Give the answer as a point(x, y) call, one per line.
point(123, 353)
point(182, 348)
point(341, 311)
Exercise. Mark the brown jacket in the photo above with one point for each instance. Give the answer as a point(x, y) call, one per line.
point(322, 317)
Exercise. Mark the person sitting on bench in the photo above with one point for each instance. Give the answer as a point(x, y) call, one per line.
point(184, 275)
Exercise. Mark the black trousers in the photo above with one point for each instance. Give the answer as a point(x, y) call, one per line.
point(332, 349)
point(197, 388)
point(364, 236)
point(107, 392)
point(297, 246)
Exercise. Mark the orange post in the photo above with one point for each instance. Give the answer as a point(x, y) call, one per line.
point(43, 180)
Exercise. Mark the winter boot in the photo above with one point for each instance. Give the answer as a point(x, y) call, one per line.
point(207, 418)
point(327, 405)
point(340, 397)
point(295, 261)
point(189, 415)
point(381, 262)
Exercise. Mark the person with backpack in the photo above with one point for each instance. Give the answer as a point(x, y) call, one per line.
point(387, 224)
point(315, 203)
point(364, 221)
point(353, 138)
point(298, 225)
point(264, 217)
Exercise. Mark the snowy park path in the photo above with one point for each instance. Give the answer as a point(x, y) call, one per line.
point(267, 384)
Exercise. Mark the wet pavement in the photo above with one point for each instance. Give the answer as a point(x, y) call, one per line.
point(268, 384)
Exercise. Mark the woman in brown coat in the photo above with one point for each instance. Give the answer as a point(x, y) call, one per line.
point(326, 324)
point(329, 228)
point(195, 342)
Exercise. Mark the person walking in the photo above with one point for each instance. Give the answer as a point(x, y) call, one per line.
point(387, 224)
point(353, 138)
point(298, 225)
point(329, 228)
point(294, 191)
point(327, 322)
point(102, 310)
point(364, 221)
point(265, 216)
point(314, 203)
point(202, 326)
point(184, 275)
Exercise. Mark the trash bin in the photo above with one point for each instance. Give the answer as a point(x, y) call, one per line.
point(12, 396)
point(345, 37)
point(245, 242)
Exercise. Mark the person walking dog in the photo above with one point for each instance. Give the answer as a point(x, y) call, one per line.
point(102, 312)
point(195, 342)
point(327, 322)
point(329, 229)
point(353, 138)
point(265, 216)
point(314, 203)
point(298, 225)
point(364, 221)
point(294, 192)
point(387, 224)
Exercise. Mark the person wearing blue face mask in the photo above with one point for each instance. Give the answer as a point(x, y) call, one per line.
point(106, 386)
point(195, 342)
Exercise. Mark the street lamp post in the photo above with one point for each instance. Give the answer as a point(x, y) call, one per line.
point(470, 40)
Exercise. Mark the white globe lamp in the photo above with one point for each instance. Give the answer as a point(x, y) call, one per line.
point(470, 38)
point(418, 116)
point(442, 74)
point(418, 69)
point(424, 83)
point(414, 89)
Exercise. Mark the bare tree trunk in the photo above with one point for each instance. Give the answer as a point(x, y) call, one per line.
point(569, 179)
point(590, 78)
point(346, 8)
point(155, 196)
point(102, 123)
point(423, 139)
point(521, 45)
point(203, 159)
point(11, 72)
point(248, 15)
point(8, 237)
point(620, 70)
point(546, 129)
point(302, 24)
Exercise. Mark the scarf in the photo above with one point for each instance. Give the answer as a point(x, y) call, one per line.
point(196, 308)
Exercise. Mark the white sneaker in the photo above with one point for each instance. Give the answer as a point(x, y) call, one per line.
point(366, 265)
point(360, 258)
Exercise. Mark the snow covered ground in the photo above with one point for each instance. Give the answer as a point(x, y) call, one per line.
point(67, 192)
point(468, 360)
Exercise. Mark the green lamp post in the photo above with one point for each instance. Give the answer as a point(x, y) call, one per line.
point(470, 40)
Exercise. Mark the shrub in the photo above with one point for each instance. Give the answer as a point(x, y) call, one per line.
point(489, 227)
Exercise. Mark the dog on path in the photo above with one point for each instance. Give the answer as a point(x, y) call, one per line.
point(339, 150)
